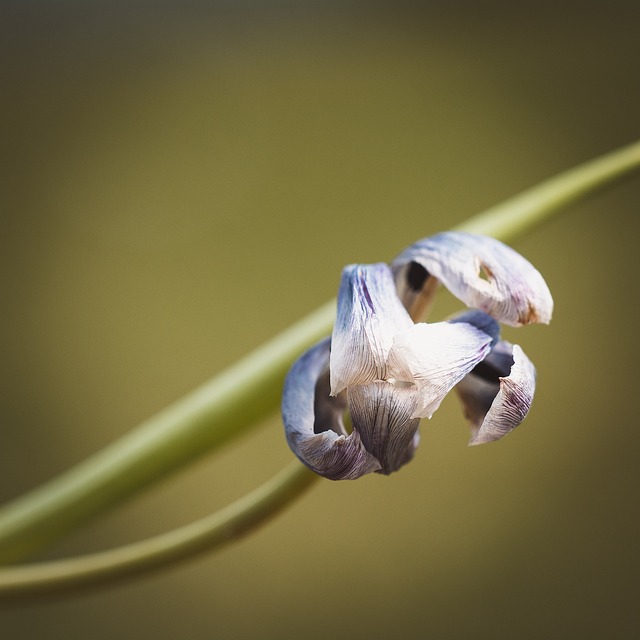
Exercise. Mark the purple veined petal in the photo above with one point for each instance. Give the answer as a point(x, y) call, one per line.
point(482, 272)
point(313, 421)
point(436, 357)
point(369, 315)
point(382, 413)
point(497, 394)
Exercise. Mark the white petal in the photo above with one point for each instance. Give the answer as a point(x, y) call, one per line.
point(498, 394)
point(482, 272)
point(313, 421)
point(436, 357)
point(369, 315)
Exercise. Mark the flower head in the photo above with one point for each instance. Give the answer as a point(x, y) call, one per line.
point(389, 370)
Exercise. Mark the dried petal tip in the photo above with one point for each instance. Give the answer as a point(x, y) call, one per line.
point(482, 272)
point(498, 393)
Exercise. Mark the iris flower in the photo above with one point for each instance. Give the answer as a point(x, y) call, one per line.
point(388, 369)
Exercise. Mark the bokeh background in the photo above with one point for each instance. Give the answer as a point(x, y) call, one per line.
point(182, 180)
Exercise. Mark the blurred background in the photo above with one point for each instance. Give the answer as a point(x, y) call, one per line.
point(182, 180)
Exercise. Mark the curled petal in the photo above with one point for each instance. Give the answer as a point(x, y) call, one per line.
point(313, 421)
point(497, 394)
point(482, 272)
point(369, 315)
point(436, 357)
point(382, 413)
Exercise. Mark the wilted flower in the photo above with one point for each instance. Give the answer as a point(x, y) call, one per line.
point(389, 370)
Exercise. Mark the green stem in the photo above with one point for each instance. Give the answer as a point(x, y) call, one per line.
point(199, 422)
point(179, 544)
point(219, 410)
point(513, 217)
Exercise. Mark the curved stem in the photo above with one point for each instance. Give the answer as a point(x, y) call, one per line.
point(531, 207)
point(219, 410)
point(205, 534)
point(199, 422)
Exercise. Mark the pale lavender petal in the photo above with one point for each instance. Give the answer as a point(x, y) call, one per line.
point(497, 394)
point(382, 413)
point(369, 315)
point(436, 357)
point(313, 421)
point(482, 272)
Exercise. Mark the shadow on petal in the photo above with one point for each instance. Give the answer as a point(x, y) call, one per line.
point(382, 413)
point(313, 421)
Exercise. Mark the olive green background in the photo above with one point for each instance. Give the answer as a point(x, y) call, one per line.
point(180, 181)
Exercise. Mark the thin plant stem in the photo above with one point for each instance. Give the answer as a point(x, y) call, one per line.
point(220, 409)
point(212, 531)
point(516, 215)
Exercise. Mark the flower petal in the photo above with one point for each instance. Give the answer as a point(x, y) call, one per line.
point(436, 357)
point(369, 315)
point(313, 421)
point(497, 394)
point(480, 320)
point(382, 413)
point(482, 272)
